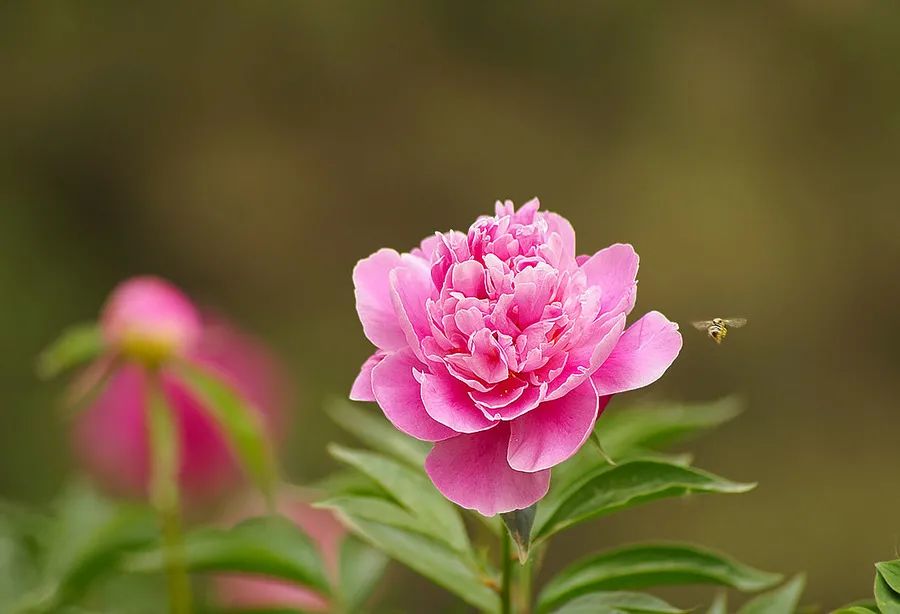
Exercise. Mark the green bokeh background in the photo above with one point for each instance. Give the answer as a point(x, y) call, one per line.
point(253, 151)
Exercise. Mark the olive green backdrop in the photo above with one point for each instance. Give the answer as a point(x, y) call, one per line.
point(253, 151)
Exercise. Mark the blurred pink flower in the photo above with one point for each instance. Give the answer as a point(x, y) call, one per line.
point(150, 315)
point(502, 347)
point(261, 593)
point(110, 436)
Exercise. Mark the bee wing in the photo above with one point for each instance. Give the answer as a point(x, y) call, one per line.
point(735, 322)
point(702, 325)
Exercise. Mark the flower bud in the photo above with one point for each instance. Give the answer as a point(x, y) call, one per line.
point(148, 320)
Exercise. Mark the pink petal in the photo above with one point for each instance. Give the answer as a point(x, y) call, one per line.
point(585, 360)
point(468, 277)
point(614, 269)
point(410, 288)
point(373, 299)
point(426, 247)
point(554, 431)
point(563, 228)
point(500, 395)
point(362, 385)
point(262, 593)
point(527, 401)
point(472, 471)
point(398, 394)
point(446, 400)
point(643, 354)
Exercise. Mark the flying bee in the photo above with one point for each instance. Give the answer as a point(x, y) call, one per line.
point(717, 328)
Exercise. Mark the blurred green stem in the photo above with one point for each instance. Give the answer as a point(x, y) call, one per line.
point(164, 494)
point(507, 571)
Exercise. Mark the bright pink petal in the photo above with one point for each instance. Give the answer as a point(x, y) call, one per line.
point(614, 270)
point(530, 398)
point(410, 287)
point(643, 354)
point(472, 471)
point(371, 281)
point(398, 394)
point(554, 431)
point(446, 400)
point(585, 360)
point(427, 247)
point(563, 228)
point(362, 385)
point(500, 395)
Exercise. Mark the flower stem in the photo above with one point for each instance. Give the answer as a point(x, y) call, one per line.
point(164, 495)
point(524, 596)
point(507, 571)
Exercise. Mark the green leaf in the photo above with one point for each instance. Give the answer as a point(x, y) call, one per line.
point(890, 571)
point(618, 603)
point(374, 430)
point(588, 459)
point(84, 542)
point(856, 609)
point(429, 557)
point(379, 510)
point(782, 600)
point(611, 489)
point(269, 546)
point(19, 562)
point(348, 482)
point(660, 425)
point(77, 345)
point(648, 565)
point(719, 604)
point(519, 523)
point(887, 597)
point(413, 491)
point(242, 425)
point(361, 569)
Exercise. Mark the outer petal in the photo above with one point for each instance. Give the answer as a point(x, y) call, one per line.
point(554, 431)
point(373, 299)
point(397, 393)
point(362, 385)
point(471, 471)
point(426, 247)
point(446, 400)
point(614, 269)
point(643, 354)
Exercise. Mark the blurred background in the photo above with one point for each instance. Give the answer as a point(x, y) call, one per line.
point(252, 155)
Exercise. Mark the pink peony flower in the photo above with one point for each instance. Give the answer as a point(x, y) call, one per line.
point(148, 318)
point(261, 593)
point(502, 347)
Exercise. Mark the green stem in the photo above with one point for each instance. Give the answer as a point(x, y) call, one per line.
point(507, 571)
point(164, 495)
point(525, 587)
